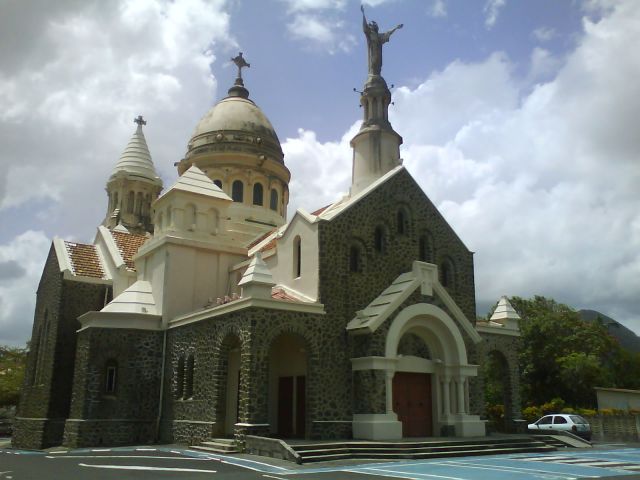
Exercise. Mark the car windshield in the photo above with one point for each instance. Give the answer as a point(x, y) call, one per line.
point(578, 419)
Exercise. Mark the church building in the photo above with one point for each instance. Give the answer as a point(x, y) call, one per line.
point(200, 311)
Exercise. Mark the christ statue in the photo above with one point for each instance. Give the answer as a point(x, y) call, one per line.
point(375, 41)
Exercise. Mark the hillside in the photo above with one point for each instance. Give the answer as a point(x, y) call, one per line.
point(626, 337)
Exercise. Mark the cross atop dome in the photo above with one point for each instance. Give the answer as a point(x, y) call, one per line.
point(240, 63)
point(139, 120)
point(238, 90)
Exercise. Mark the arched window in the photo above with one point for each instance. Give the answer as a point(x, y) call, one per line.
point(218, 183)
point(110, 377)
point(139, 198)
point(147, 205)
point(237, 191)
point(425, 250)
point(273, 204)
point(379, 239)
point(115, 200)
point(257, 194)
point(180, 378)
point(190, 217)
point(355, 259)
point(297, 256)
point(168, 218)
point(188, 383)
point(402, 222)
point(160, 221)
point(447, 274)
point(130, 202)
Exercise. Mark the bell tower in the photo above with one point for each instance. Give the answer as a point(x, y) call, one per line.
point(376, 147)
point(133, 186)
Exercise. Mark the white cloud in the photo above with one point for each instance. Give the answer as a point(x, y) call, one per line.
point(318, 173)
point(540, 180)
point(492, 11)
point(97, 63)
point(544, 34)
point(322, 32)
point(21, 262)
point(72, 77)
point(437, 9)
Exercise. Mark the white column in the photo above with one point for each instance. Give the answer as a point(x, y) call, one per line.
point(467, 408)
point(446, 402)
point(389, 390)
point(461, 396)
point(452, 396)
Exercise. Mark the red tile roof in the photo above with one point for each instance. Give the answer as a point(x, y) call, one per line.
point(320, 210)
point(128, 244)
point(260, 238)
point(85, 261)
point(280, 294)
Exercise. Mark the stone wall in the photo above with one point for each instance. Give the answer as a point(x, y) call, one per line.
point(255, 330)
point(129, 414)
point(507, 348)
point(615, 427)
point(46, 395)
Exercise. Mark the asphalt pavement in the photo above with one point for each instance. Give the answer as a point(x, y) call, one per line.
point(175, 462)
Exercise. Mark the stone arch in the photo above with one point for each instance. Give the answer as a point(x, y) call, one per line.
point(229, 346)
point(435, 326)
point(264, 359)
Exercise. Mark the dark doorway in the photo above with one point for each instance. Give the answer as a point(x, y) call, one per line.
point(412, 403)
point(291, 421)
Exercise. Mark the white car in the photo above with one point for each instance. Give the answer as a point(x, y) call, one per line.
point(566, 422)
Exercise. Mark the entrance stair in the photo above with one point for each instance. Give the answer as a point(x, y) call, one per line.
point(223, 446)
point(323, 452)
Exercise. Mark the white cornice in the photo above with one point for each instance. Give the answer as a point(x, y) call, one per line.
point(135, 321)
point(244, 303)
point(112, 247)
point(64, 262)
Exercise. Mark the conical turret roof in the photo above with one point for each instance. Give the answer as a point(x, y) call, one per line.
point(136, 159)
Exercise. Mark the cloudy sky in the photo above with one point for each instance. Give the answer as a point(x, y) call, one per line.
point(519, 118)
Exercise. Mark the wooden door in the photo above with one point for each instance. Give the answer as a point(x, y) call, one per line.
point(301, 409)
point(412, 403)
point(285, 407)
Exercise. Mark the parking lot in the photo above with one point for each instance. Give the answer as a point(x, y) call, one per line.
point(605, 461)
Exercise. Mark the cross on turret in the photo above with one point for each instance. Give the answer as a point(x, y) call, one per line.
point(139, 120)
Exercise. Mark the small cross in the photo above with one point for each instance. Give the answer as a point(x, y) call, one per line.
point(240, 63)
point(139, 120)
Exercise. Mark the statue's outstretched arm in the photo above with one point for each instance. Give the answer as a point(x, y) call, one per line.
point(365, 26)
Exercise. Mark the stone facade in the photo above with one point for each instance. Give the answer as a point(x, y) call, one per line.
point(130, 413)
point(46, 392)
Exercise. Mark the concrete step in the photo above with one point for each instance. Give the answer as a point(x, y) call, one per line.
point(223, 446)
point(404, 445)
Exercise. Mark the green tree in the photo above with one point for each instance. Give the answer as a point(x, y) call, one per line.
point(563, 356)
point(12, 366)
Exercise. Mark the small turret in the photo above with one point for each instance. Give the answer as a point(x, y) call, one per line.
point(132, 186)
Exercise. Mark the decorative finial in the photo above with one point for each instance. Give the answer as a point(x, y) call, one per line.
point(240, 63)
point(139, 120)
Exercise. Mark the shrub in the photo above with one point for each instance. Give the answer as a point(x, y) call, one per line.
point(531, 413)
point(587, 412)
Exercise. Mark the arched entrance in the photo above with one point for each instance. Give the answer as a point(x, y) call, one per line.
point(229, 386)
point(497, 391)
point(288, 386)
